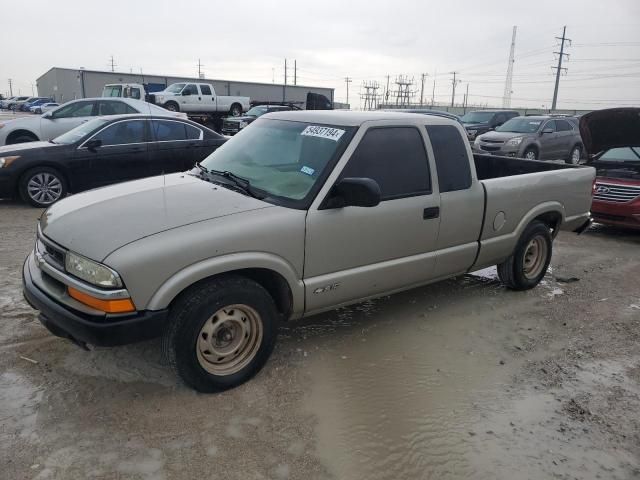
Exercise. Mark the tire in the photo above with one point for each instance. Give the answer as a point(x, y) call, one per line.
point(236, 110)
point(33, 182)
point(530, 260)
point(211, 314)
point(22, 138)
point(530, 154)
point(172, 106)
point(574, 155)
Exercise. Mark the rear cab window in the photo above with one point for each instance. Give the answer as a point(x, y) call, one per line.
point(451, 157)
point(395, 158)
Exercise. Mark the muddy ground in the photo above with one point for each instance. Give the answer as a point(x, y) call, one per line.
point(462, 379)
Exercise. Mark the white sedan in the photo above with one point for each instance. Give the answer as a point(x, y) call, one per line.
point(65, 117)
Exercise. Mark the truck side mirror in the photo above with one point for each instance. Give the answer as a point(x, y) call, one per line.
point(353, 192)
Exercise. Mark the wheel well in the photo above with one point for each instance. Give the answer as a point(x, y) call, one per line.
point(18, 133)
point(234, 104)
point(274, 283)
point(551, 220)
point(532, 146)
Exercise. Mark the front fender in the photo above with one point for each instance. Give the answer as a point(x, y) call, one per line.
point(191, 274)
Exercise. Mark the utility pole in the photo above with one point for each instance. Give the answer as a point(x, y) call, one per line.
point(454, 82)
point(347, 80)
point(386, 92)
point(295, 72)
point(422, 77)
point(10, 88)
point(200, 72)
point(273, 75)
point(113, 65)
point(285, 71)
point(433, 91)
point(559, 68)
point(506, 98)
point(466, 99)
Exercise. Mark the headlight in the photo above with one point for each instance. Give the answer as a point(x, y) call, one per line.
point(6, 161)
point(91, 271)
point(514, 142)
point(243, 124)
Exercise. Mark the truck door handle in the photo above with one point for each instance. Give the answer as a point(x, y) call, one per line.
point(431, 212)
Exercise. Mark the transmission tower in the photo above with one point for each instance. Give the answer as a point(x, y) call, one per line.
point(370, 95)
point(404, 91)
point(559, 68)
point(506, 98)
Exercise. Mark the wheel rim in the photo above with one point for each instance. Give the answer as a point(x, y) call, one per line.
point(535, 257)
point(530, 155)
point(575, 156)
point(44, 188)
point(229, 339)
point(171, 107)
point(235, 112)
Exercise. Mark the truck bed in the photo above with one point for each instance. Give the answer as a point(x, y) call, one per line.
point(491, 166)
point(519, 191)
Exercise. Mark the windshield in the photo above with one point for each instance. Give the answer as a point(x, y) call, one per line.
point(621, 155)
point(112, 91)
point(257, 111)
point(176, 88)
point(520, 125)
point(282, 158)
point(477, 117)
point(72, 136)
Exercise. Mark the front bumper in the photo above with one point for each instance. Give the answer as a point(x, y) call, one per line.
point(501, 149)
point(82, 328)
point(622, 215)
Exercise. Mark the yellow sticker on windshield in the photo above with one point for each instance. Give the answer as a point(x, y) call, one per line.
point(323, 132)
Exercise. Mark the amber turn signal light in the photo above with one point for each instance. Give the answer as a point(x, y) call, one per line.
point(120, 305)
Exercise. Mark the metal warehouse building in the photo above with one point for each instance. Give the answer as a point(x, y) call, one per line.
point(64, 84)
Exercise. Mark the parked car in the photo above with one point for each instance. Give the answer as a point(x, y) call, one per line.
point(10, 104)
point(612, 142)
point(62, 119)
point(482, 121)
point(232, 125)
point(535, 138)
point(44, 107)
point(5, 102)
point(199, 98)
point(302, 213)
point(26, 107)
point(100, 152)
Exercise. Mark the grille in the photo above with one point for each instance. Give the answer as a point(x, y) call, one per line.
point(53, 255)
point(231, 126)
point(616, 193)
point(490, 148)
point(487, 140)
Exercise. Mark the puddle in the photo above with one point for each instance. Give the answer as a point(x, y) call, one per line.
point(396, 398)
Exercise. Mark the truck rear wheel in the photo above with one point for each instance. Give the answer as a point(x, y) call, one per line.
point(529, 262)
point(221, 333)
point(236, 110)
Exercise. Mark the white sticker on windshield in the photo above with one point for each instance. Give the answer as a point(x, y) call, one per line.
point(307, 170)
point(323, 132)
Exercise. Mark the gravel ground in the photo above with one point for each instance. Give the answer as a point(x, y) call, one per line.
point(462, 379)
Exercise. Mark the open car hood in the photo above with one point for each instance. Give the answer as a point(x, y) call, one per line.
point(602, 130)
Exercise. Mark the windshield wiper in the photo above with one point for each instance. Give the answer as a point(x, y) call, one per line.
point(240, 182)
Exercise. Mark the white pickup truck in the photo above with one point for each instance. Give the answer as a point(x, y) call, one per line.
point(199, 98)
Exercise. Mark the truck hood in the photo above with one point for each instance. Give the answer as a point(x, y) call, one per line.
point(97, 222)
point(502, 136)
point(603, 130)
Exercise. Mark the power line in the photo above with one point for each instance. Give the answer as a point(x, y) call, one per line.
point(559, 68)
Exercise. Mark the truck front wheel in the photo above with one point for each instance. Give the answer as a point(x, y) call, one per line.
point(221, 333)
point(172, 106)
point(529, 262)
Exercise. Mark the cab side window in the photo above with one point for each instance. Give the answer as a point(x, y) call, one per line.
point(563, 126)
point(452, 159)
point(394, 157)
point(551, 124)
point(191, 88)
point(206, 90)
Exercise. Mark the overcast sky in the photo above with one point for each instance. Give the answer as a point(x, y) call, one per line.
point(365, 40)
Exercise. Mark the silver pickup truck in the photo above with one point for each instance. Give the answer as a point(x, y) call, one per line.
point(299, 213)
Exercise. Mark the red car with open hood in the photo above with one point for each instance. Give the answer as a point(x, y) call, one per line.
point(612, 141)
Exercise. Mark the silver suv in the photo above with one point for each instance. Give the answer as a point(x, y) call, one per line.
point(534, 138)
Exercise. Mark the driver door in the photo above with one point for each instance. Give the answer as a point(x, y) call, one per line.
point(356, 252)
point(66, 118)
point(191, 101)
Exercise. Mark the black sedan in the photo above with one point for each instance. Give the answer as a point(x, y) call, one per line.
point(232, 125)
point(102, 151)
